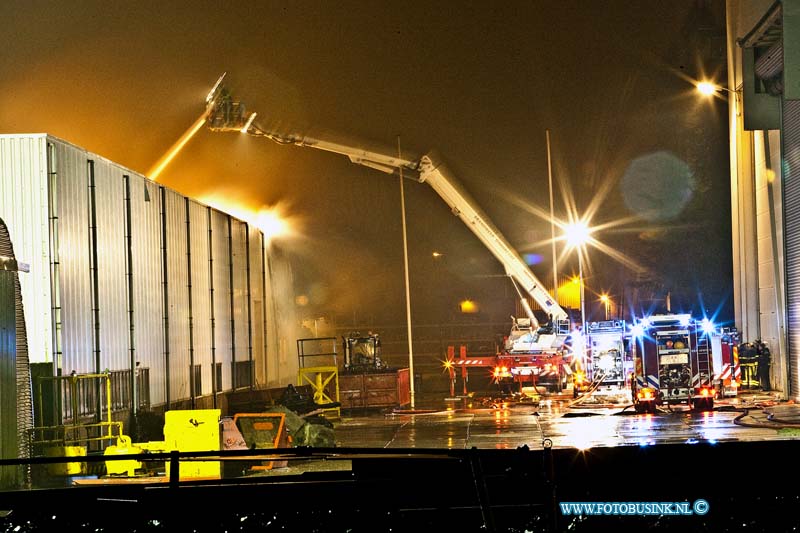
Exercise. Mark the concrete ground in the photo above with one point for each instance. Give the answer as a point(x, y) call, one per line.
point(439, 422)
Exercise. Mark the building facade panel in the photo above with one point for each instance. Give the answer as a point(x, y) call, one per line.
point(241, 339)
point(126, 274)
point(257, 305)
point(177, 287)
point(112, 284)
point(147, 289)
point(24, 207)
point(201, 294)
point(791, 145)
point(74, 259)
point(221, 277)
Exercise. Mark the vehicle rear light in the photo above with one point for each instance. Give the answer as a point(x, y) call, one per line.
point(500, 372)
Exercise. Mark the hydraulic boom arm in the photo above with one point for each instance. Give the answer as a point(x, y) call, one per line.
point(431, 171)
point(428, 169)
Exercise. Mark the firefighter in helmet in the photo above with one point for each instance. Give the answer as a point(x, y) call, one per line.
point(764, 361)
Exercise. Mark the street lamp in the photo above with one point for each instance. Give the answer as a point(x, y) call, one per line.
point(708, 88)
point(606, 302)
point(577, 235)
point(711, 89)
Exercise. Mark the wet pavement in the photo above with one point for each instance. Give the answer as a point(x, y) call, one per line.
point(437, 423)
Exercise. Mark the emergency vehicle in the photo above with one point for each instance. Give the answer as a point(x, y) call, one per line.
point(672, 362)
point(533, 352)
point(605, 366)
point(725, 356)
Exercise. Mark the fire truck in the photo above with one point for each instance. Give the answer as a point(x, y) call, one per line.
point(672, 363)
point(535, 356)
point(607, 362)
point(725, 356)
point(532, 350)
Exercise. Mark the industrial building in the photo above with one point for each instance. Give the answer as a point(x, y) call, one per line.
point(763, 92)
point(121, 275)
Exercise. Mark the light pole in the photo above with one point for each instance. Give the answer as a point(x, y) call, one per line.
point(580, 278)
point(577, 235)
point(412, 387)
point(710, 89)
point(606, 302)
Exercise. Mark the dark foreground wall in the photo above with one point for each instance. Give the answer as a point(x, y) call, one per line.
point(457, 490)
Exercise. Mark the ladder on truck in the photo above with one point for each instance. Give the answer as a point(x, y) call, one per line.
point(705, 370)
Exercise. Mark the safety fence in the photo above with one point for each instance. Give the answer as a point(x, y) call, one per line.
point(79, 398)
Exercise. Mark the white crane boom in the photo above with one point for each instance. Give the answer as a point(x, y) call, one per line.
point(223, 114)
point(434, 173)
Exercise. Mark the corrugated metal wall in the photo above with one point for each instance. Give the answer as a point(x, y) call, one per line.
point(177, 307)
point(220, 249)
point(148, 295)
point(258, 326)
point(24, 208)
point(74, 280)
point(201, 292)
point(241, 342)
point(132, 261)
point(112, 296)
point(791, 150)
point(284, 330)
point(16, 411)
point(9, 439)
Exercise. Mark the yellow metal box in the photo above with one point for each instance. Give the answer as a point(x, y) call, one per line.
point(66, 469)
point(193, 430)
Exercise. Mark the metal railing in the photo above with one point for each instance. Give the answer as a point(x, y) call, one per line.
point(81, 398)
point(81, 405)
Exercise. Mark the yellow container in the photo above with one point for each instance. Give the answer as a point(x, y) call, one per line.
point(193, 430)
point(66, 469)
point(127, 467)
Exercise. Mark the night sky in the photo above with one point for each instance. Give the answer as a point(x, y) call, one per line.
point(477, 82)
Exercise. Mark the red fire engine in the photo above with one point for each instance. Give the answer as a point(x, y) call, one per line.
point(672, 363)
point(725, 355)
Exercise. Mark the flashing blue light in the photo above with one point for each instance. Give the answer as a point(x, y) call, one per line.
point(692, 441)
point(533, 259)
point(685, 321)
point(645, 322)
point(707, 325)
point(637, 330)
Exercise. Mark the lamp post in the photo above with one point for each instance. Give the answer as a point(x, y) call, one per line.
point(580, 278)
point(709, 89)
point(606, 302)
point(412, 387)
point(577, 235)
